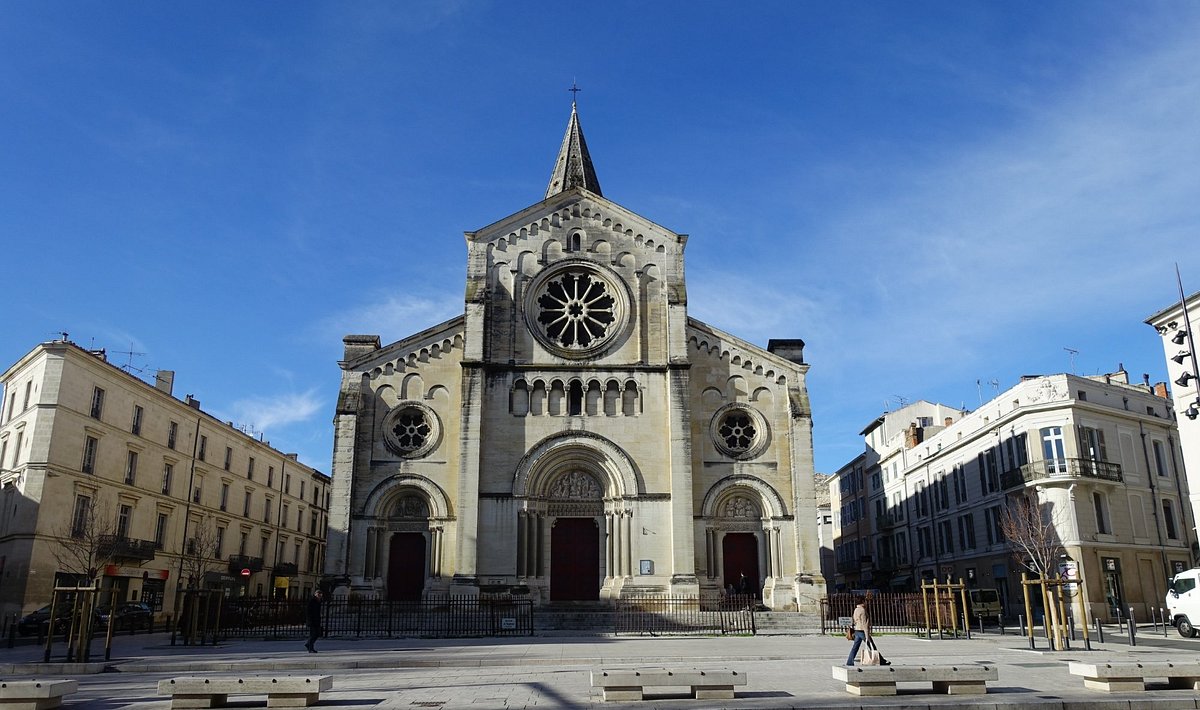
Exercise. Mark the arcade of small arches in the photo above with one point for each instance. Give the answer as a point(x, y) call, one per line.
point(556, 397)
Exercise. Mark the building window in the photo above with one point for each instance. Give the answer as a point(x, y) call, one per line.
point(262, 547)
point(312, 557)
point(17, 448)
point(196, 491)
point(301, 490)
point(250, 469)
point(1091, 444)
point(81, 518)
point(160, 531)
point(270, 476)
point(136, 426)
point(219, 543)
point(131, 468)
point(90, 444)
point(966, 531)
point(124, 513)
point(312, 524)
point(1101, 508)
point(224, 496)
point(97, 402)
point(228, 457)
point(4, 451)
point(1169, 520)
point(283, 518)
point(203, 447)
point(172, 434)
point(168, 469)
point(1053, 450)
point(267, 511)
point(28, 392)
point(1160, 459)
point(246, 505)
point(242, 543)
point(299, 520)
point(287, 483)
point(995, 533)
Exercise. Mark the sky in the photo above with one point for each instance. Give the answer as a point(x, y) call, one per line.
point(937, 197)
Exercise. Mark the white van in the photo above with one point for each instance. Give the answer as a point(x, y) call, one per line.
point(1183, 602)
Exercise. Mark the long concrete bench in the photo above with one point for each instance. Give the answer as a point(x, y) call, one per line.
point(965, 679)
point(1118, 676)
point(35, 694)
point(281, 692)
point(626, 684)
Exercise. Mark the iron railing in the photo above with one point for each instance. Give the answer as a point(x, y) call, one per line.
point(1061, 469)
point(889, 611)
point(353, 617)
point(726, 614)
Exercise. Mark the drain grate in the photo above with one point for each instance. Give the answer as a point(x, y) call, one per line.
point(1037, 665)
point(428, 703)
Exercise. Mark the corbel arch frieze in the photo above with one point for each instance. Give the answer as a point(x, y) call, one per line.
point(580, 450)
point(770, 502)
point(385, 493)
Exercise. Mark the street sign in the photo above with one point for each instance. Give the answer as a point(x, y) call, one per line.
point(245, 572)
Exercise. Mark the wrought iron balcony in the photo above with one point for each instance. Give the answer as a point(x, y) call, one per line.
point(887, 521)
point(237, 563)
point(123, 548)
point(285, 569)
point(1050, 470)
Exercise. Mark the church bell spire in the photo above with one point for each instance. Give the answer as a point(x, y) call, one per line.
point(574, 166)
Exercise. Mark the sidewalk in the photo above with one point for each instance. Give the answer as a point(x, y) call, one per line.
point(454, 674)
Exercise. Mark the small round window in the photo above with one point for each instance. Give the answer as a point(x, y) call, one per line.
point(739, 431)
point(411, 429)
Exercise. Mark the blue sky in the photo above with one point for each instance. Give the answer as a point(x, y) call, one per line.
point(930, 195)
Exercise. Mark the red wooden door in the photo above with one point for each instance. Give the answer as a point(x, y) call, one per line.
point(406, 566)
point(575, 560)
point(740, 553)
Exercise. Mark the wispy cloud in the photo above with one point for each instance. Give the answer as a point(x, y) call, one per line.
point(395, 316)
point(267, 413)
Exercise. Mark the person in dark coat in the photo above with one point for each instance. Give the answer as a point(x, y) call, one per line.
point(312, 617)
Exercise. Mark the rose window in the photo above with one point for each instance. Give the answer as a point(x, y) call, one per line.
point(411, 429)
point(739, 431)
point(576, 310)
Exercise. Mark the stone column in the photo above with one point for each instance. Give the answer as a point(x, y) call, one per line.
point(627, 543)
point(608, 545)
point(522, 554)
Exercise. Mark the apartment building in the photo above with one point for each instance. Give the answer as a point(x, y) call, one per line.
point(1098, 454)
point(1175, 326)
point(106, 479)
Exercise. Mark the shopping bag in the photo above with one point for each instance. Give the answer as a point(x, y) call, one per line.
point(871, 651)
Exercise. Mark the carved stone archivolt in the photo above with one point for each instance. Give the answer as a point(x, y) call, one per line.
point(740, 507)
point(409, 506)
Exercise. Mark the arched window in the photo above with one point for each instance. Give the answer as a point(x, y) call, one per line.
point(575, 399)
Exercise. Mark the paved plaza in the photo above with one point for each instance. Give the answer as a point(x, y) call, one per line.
point(553, 672)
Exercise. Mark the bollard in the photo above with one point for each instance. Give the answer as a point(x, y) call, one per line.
point(12, 634)
point(1099, 631)
point(1164, 618)
point(1132, 629)
point(1000, 623)
point(980, 616)
point(1120, 621)
point(1028, 631)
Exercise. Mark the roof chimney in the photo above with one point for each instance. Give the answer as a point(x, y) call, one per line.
point(164, 381)
point(192, 402)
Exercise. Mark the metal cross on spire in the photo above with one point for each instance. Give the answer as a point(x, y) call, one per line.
point(574, 91)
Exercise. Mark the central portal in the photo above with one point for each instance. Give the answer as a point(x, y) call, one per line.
point(740, 553)
point(575, 560)
point(406, 567)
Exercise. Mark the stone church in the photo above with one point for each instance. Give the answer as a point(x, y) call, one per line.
point(574, 433)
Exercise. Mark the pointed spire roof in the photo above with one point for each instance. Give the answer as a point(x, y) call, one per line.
point(574, 166)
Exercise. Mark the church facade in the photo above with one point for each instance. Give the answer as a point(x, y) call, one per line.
point(574, 433)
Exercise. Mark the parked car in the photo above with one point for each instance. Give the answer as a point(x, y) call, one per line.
point(130, 615)
point(30, 624)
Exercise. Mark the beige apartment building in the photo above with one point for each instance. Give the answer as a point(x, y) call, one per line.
point(1099, 454)
point(110, 481)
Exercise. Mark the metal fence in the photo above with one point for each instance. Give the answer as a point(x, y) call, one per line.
point(732, 614)
point(895, 612)
point(352, 617)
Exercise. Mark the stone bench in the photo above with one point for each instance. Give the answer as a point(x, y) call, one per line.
point(1117, 676)
point(705, 685)
point(281, 692)
point(35, 694)
point(965, 679)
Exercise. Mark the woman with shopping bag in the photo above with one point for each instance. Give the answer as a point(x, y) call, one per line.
point(861, 628)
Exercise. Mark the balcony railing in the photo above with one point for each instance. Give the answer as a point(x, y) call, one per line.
point(123, 548)
point(237, 563)
point(1061, 470)
point(887, 521)
point(286, 569)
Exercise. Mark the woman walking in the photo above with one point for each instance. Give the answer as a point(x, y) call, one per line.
point(861, 621)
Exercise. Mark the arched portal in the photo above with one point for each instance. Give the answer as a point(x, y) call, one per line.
point(576, 508)
point(407, 554)
point(742, 543)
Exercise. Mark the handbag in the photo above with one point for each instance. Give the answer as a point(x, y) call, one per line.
point(849, 633)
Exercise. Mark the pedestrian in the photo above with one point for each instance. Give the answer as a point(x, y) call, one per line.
point(313, 617)
point(861, 624)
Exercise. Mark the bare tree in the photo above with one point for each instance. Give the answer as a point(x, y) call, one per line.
point(199, 557)
point(1030, 528)
point(1032, 531)
point(84, 544)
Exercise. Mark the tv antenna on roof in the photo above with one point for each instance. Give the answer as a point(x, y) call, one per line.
point(1073, 353)
point(129, 355)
